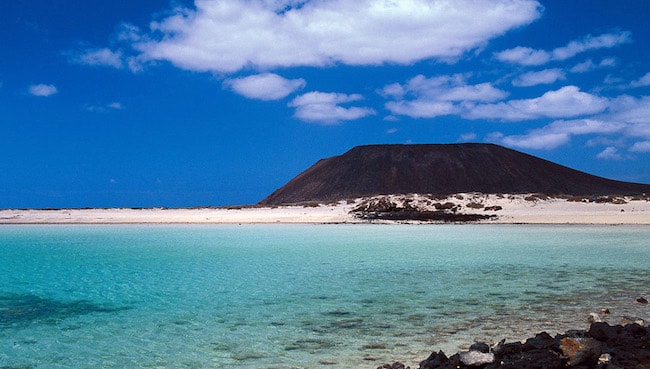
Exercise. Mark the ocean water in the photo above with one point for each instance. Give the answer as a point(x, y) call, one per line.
point(302, 296)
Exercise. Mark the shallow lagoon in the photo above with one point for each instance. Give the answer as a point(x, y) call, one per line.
point(286, 296)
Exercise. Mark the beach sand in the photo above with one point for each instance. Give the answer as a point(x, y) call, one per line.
point(515, 209)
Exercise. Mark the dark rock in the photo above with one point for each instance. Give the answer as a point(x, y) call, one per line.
point(437, 361)
point(580, 350)
point(603, 331)
point(541, 341)
point(635, 331)
point(480, 347)
point(601, 347)
point(533, 359)
point(508, 349)
point(642, 300)
point(476, 358)
point(493, 208)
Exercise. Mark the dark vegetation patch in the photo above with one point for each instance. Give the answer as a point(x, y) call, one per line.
point(424, 216)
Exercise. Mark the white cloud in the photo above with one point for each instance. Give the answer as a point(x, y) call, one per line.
point(43, 90)
point(536, 140)
point(105, 108)
point(266, 86)
point(610, 153)
point(528, 56)
point(524, 56)
point(634, 113)
point(423, 97)
point(567, 102)
point(229, 35)
point(471, 136)
point(325, 108)
point(543, 77)
point(422, 108)
point(99, 57)
point(589, 65)
point(626, 118)
point(557, 133)
point(608, 62)
point(129, 32)
point(630, 109)
point(643, 146)
point(604, 41)
point(642, 82)
point(584, 126)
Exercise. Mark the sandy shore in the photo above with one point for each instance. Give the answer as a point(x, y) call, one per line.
point(515, 209)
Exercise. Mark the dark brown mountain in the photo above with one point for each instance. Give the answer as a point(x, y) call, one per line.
point(440, 170)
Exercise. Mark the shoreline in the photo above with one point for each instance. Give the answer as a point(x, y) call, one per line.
point(502, 209)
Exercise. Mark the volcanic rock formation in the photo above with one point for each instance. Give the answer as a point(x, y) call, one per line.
point(441, 170)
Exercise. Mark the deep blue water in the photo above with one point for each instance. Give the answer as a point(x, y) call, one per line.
point(288, 296)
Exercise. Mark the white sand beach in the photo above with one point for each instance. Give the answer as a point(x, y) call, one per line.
point(515, 209)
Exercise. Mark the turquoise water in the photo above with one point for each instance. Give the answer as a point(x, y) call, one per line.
point(301, 296)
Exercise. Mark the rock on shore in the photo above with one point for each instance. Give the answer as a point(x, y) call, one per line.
point(603, 346)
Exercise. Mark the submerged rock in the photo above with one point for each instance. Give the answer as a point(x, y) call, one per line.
point(631, 320)
point(395, 365)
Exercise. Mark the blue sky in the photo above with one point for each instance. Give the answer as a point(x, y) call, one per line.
point(198, 103)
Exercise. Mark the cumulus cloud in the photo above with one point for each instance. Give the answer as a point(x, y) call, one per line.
point(567, 102)
point(326, 108)
point(528, 56)
point(230, 35)
point(266, 86)
point(543, 77)
point(423, 97)
point(43, 90)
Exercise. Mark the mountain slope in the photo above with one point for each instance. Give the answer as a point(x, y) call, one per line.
point(440, 170)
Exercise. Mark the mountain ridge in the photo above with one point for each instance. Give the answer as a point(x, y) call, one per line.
point(440, 169)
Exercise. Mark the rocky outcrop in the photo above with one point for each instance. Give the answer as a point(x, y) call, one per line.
point(603, 346)
point(407, 208)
